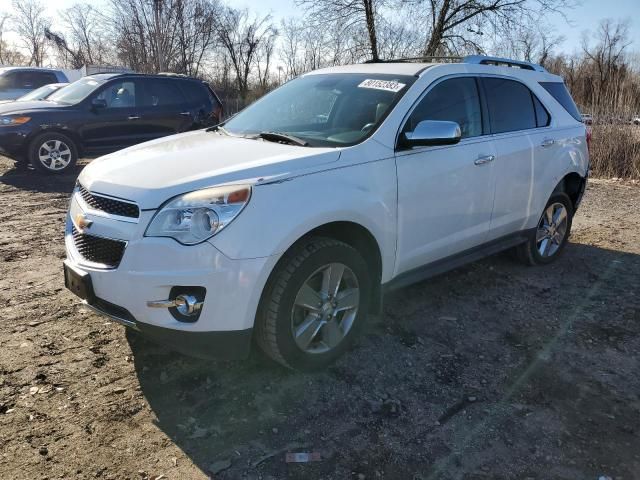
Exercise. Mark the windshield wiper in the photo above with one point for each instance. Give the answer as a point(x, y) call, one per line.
point(282, 137)
point(218, 128)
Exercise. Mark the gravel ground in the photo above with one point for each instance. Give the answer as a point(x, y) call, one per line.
point(492, 371)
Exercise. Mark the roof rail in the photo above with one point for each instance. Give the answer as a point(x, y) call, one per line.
point(429, 59)
point(502, 62)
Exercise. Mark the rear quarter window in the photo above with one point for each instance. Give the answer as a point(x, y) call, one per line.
point(558, 90)
point(198, 93)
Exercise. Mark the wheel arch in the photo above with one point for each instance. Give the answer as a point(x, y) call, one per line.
point(573, 184)
point(356, 236)
point(60, 130)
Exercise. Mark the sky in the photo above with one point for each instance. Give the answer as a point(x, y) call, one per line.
point(583, 18)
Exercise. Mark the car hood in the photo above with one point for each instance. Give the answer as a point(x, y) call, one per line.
point(153, 172)
point(13, 107)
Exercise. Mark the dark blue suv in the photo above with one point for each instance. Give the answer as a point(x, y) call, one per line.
point(103, 113)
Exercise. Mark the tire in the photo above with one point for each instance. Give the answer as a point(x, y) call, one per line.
point(286, 305)
point(57, 159)
point(535, 251)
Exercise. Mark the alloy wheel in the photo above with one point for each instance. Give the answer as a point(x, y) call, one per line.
point(325, 308)
point(54, 154)
point(552, 230)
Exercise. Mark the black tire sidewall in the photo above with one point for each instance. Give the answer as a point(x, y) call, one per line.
point(45, 137)
point(535, 254)
point(287, 346)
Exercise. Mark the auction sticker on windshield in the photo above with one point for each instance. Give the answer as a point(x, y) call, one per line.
point(389, 85)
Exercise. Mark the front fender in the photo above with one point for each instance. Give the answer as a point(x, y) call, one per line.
point(281, 213)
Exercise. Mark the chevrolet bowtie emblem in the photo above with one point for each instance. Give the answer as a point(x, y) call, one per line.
point(82, 222)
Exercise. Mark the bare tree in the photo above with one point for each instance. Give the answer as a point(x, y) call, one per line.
point(241, 36)
point(86, 36)
point(196, 33)
point(30, 23)
point(533, 42)
point(8, 54)
point(145, 32)
point(454, 24)
point(607, 58)
point(347, 15)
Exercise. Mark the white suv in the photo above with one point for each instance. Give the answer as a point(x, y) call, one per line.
point(284, 225)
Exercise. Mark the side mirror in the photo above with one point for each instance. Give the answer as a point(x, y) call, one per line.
point(432, 132)
point(98, 103)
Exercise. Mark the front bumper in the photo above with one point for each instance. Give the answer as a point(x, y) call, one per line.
point(148, 270)
point(13, 140)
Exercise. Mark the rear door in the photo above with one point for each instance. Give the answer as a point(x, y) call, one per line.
point(445, 193)
point(9, 86)
point(165, 109)
point(512, 117)
point(117, 125)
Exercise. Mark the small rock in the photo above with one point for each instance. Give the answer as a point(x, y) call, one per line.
point(472, 399)
point(34, 390)
point(274, 430)
point(119, 390)
point(219, 466)
point(43, 451)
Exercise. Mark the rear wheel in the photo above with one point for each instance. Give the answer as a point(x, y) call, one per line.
point(314, 304)
point(551, 234)
point(52, 153)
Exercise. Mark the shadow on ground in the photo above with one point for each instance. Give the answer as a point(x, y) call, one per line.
point(26, 178)
point(491, 371)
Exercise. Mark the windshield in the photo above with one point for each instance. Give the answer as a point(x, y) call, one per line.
point(323, 110)
point(39, 93)
point(76, 92)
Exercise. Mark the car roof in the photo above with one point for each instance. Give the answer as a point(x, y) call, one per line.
point(419, 65)
point(391, 68)
point(38, 69)
point(107, 76)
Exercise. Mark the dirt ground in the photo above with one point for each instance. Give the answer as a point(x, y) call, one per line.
point(492, 371)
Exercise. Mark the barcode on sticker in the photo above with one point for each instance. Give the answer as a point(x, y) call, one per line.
point(388, 85)
point(303, 457)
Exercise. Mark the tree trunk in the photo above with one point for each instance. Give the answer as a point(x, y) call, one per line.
point(369, 11)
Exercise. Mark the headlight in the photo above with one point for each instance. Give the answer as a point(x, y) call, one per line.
point(8, 121)
point(197, 216)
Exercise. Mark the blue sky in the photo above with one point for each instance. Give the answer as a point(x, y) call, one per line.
point(585, 17)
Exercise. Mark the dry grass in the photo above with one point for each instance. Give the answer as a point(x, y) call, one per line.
point(615, 151)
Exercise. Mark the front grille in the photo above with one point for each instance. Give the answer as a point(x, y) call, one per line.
point(97, 249)
point(109, 205)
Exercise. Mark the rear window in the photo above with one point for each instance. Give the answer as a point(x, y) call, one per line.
point(559, 91)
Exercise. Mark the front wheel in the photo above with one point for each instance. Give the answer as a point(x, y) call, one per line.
point(551, 234)
point(52, 153)
point(314, 304)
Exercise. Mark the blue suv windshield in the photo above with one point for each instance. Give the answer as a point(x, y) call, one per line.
point(76, 92)
point(323, 109)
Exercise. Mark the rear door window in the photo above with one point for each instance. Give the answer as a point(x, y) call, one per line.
point(454, 100)
point(32, 80)
point(510, 105)
point(162, 93)
point(558, 90)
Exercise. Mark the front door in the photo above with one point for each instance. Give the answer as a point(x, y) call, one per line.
point(116, 124)
point(445, 193)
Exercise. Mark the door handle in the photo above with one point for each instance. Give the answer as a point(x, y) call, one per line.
point(547, 142)
point(485, 159)
point(133, 117)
